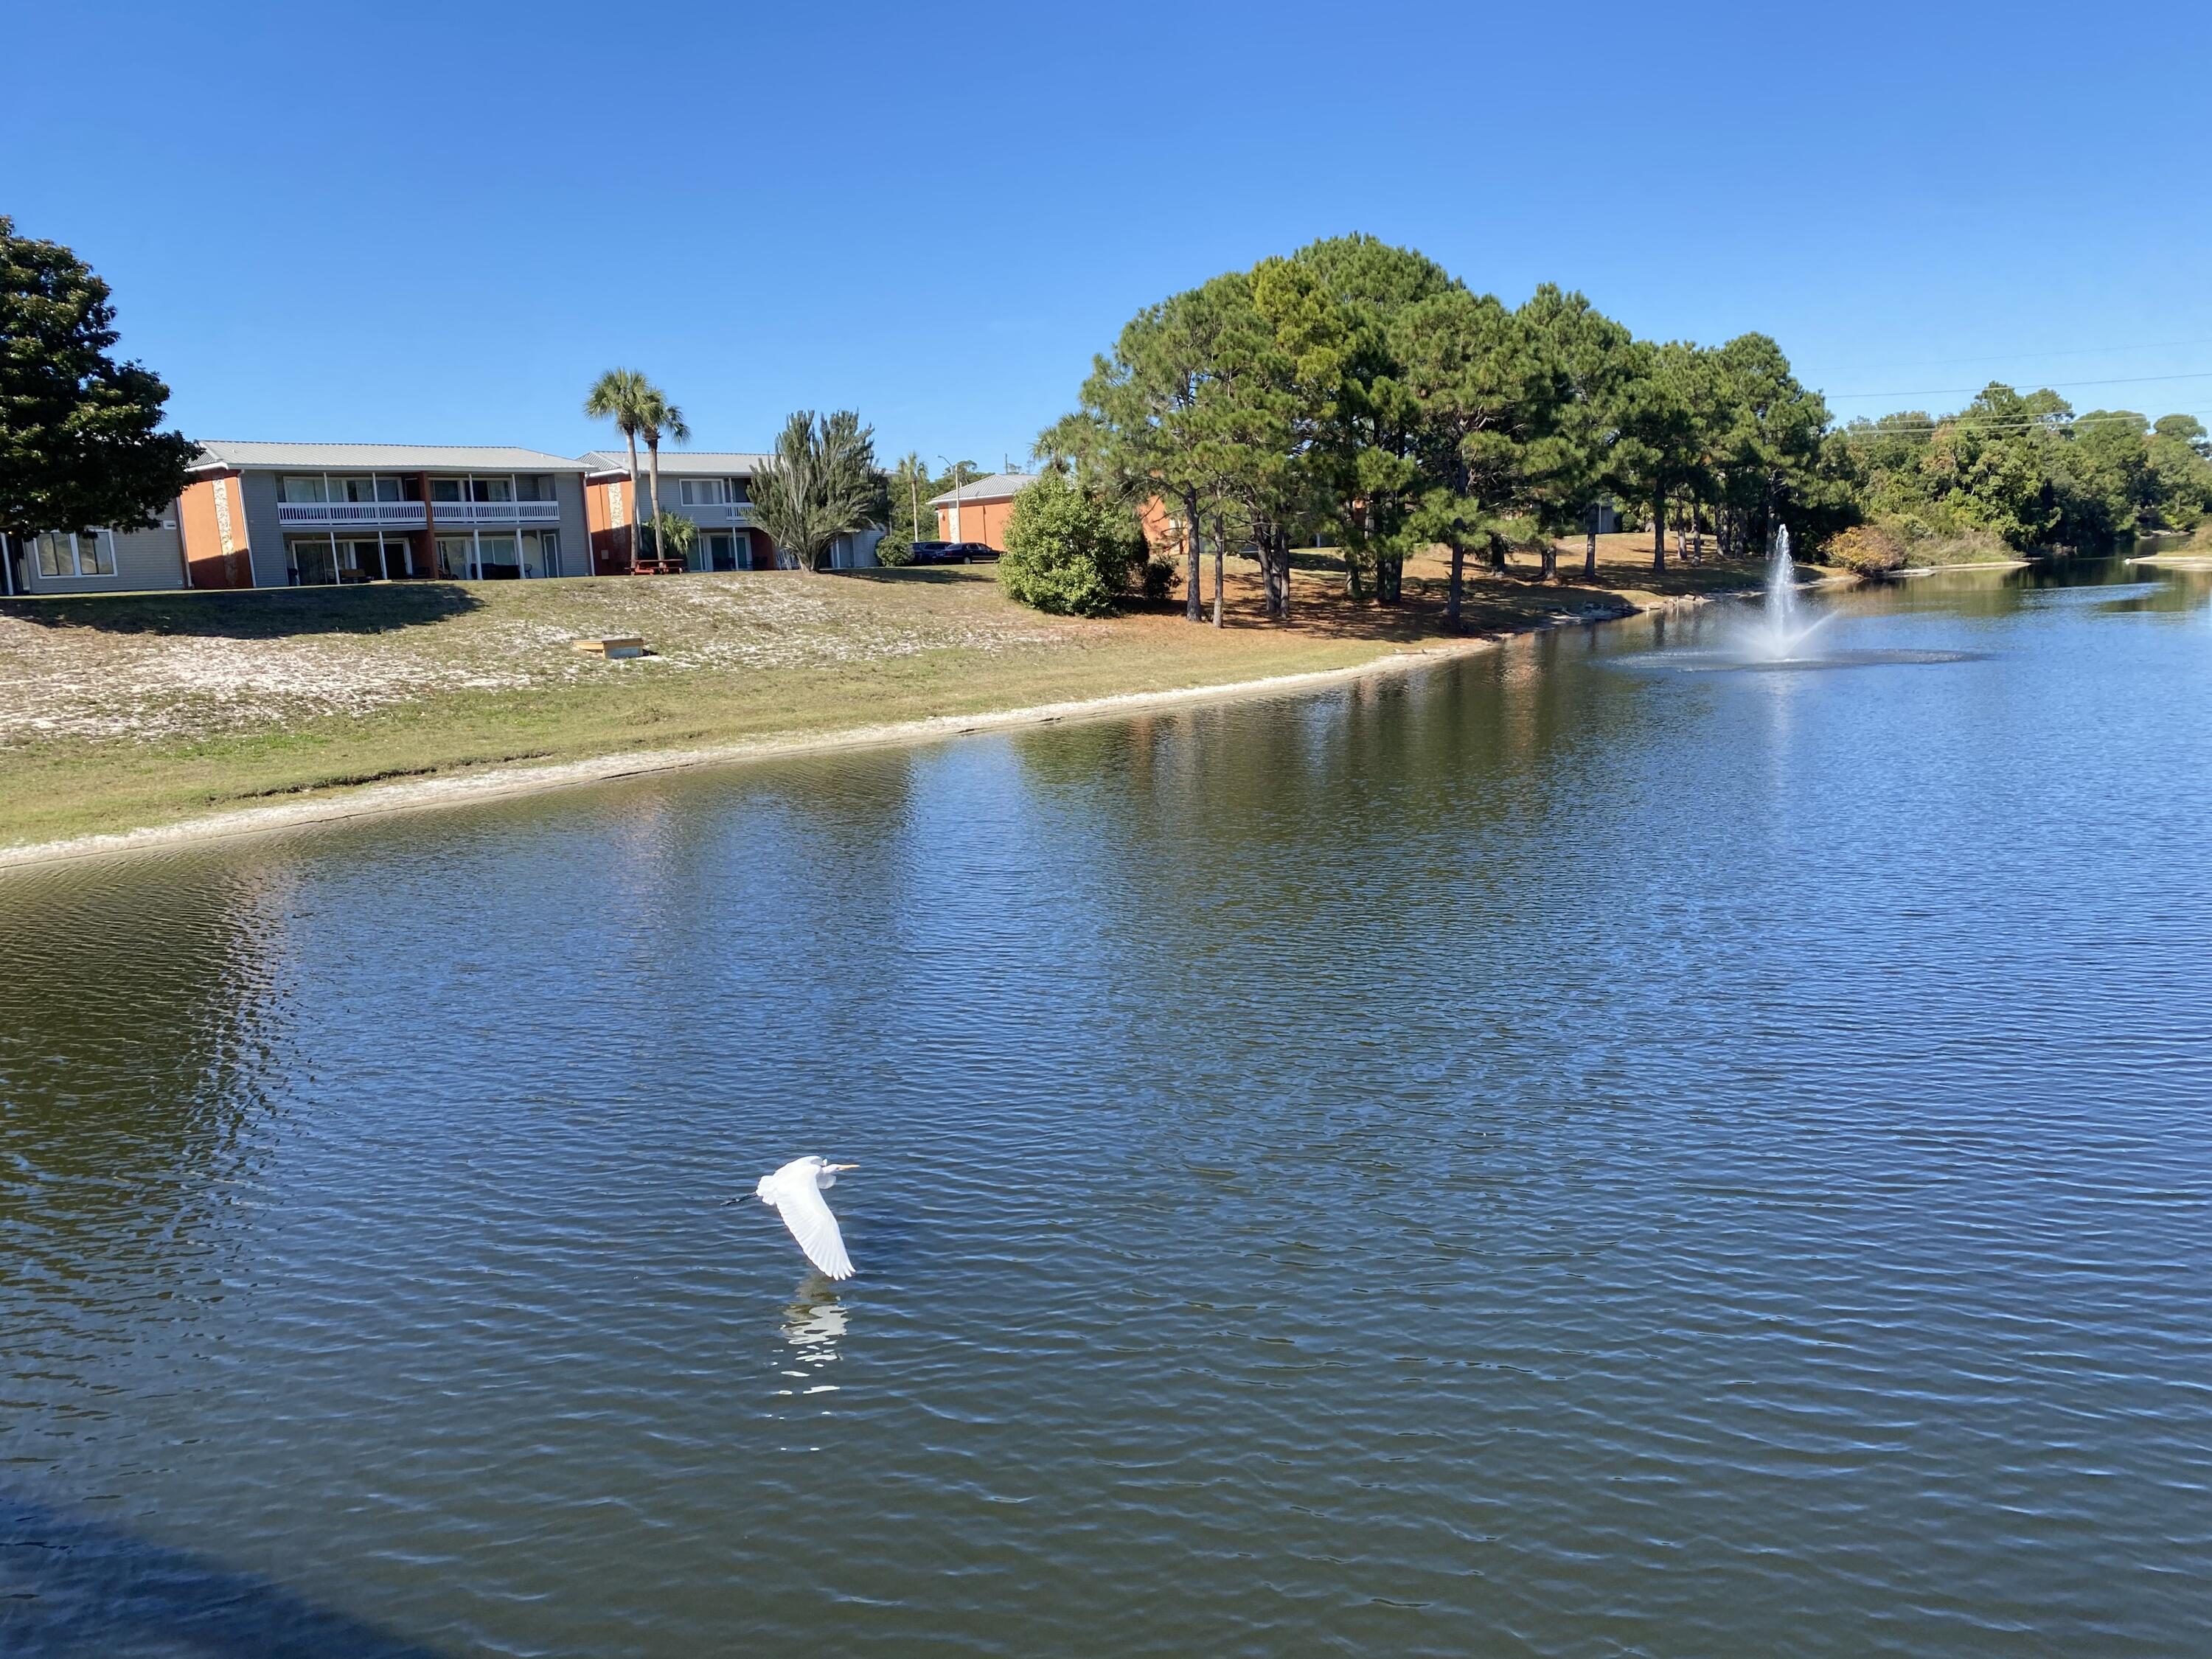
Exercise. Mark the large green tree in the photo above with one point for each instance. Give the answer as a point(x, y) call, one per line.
point(1660, 443)
point(2179, 458)
point(80, 439)
point(1367, 454)
point(1767, 458)
point(1276, 388)
point(1579, 368)
point(1467, 368)
point(1145, 427)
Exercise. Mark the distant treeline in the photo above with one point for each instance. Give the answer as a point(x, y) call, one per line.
point(1359, 394)
point(2028, 471)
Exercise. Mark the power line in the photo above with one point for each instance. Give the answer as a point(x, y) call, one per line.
point(2053, 422)
point(2038, 356)
point(2047, 385)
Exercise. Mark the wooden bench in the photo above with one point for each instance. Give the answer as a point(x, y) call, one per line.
point(613, 645)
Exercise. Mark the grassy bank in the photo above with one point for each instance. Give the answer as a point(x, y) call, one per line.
point(2193, 554)
point(130, 711)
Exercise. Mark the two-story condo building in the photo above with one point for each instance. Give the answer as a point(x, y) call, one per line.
point(284, 514)
point(712, 488)
point(294, 514)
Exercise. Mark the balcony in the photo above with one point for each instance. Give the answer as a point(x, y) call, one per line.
point(717, 515)
point(386, 516)
point(450, 514)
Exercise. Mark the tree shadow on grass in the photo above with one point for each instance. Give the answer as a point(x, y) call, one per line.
point(929, 576)
point(1491, 603)
point(254, 613)
point(71, 1586)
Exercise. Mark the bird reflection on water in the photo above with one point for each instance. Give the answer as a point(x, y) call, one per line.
point(812, 1326)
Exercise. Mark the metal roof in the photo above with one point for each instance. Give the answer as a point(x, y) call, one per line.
point(999, 487)
point(371, 457)
point(680, 463)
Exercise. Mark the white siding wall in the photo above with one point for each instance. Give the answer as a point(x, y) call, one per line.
point(858, 552)
point(265, 532)
point(575, 534)
point(153, 557)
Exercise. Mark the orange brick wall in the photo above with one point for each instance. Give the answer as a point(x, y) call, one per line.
point(986, 522)
point(607, 508)
point(980, 521)
point(201, 525)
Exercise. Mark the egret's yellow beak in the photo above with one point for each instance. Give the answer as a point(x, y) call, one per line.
point(844, 1166)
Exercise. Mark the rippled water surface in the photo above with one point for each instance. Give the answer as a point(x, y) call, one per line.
point(1555, 1157)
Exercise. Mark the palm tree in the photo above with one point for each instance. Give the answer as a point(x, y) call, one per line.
point(821, 484)
point(676, 534)
point(912, 474)
point(658, 418)
point(621, 395)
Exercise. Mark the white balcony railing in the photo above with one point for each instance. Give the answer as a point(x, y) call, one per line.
point(459, 513)
point(713, 516)
point(401, 514)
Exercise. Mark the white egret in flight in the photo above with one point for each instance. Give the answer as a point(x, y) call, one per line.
point(794, 1192)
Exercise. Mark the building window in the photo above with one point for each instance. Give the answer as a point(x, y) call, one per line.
point(457, 557)
point(448, 489)
point(533, 487)
point(541, 552)
point(491, 489)
point(313, 559)
point(58, 553)
point(498, 557)
point(364, 490)
point(320, 486)
point(703, 492)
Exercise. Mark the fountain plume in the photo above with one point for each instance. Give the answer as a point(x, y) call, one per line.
point(1779, 631)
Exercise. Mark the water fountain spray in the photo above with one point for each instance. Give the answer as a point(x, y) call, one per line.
point(1782, 590)
point(1779, 631)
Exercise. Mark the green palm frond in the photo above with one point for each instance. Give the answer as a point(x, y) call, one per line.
point(821, 484)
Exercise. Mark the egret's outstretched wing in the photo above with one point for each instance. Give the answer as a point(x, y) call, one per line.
point(798, 1201)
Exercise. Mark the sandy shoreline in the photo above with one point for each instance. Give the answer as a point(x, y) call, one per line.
point(497, 783)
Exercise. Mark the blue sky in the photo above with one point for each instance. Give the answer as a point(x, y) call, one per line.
point(436, 223)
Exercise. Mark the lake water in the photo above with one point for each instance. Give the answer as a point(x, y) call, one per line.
point(1568, 1154)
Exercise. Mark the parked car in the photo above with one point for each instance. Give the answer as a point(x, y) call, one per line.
point(953, 552)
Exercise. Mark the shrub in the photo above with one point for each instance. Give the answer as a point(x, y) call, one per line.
point(1869, 549)
point(1068, 552)
point(894, 550)
point(1160, 579)
point(1939, 539)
